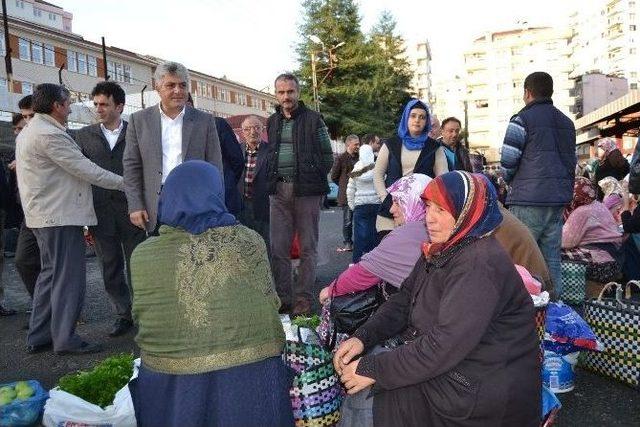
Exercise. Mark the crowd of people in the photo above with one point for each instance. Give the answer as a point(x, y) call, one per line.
point(193, 231)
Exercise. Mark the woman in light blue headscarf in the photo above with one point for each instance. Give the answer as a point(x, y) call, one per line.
point(410, 151)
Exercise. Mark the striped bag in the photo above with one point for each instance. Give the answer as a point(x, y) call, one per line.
point(616, 322)
point(316, 393)
point(573, 282)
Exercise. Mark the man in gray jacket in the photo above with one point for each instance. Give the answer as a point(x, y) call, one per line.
point(54, 180)
point(161, 137)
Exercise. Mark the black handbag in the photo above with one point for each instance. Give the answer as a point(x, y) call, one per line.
point(351, 311)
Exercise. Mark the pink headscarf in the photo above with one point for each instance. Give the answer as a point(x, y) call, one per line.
point(613, 200)
point(608, 145)
point(406, 192)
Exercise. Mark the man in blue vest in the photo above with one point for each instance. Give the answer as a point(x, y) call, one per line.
point(538, 162)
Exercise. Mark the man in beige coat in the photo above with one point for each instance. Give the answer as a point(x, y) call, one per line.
point(54, 180)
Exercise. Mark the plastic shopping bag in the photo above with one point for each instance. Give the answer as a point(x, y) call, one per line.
point(64, 409)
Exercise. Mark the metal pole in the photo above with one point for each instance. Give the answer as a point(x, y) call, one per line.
point(466, 124)
point(104, 59)
point(142, 95)
point(314, 78)
point(7, 47)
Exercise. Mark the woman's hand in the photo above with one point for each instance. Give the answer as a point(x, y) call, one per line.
point(325, 294)
point(352, 381)
point(347, 351)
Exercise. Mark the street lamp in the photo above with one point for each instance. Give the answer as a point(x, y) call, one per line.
point(314, 70)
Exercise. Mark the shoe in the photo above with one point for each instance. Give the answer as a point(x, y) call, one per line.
point(302, 308)
point(34, 349)
point(348, 247)
point(120, 327)
point(85, 348)
point(6, 311)
point(284, 309)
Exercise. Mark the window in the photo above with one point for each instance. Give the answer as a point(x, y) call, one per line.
point(71, 61)
point(3, 85)
point(52, 16)
point(633, 86)
point(223, 94)
point(111, 69)
point(633, 51)
point(20, 4)
point(36, 53)
point(119, 73)
point(93, 66)
point(633, 74)
point(255, 103)
point(49, 55)
point(242, 99)
point(632, 27)
point(82, 63)
point(2, 49)
point(25, 50)
point(126, 69)
point(37, 12)
point(27, 88)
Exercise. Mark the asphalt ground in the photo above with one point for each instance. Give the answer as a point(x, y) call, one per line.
point(596, 401)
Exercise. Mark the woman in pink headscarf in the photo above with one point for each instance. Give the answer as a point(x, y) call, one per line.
point(394, 258)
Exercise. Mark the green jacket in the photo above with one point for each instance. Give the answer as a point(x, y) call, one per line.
point(204, 302)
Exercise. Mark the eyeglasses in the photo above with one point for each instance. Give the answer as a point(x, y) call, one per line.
point(248, 128)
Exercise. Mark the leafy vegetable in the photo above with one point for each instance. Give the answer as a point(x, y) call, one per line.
point(307, 322)
point(100, 385)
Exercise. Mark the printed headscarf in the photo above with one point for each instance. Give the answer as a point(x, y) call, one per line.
point(192, 198)
point(410, 142)
point(407, 191)
point(608, 145)
point(583, 194)
point(471, 200)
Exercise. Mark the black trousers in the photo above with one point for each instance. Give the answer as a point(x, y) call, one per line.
point(347, 225)
point(27, 258)
point(114, 243)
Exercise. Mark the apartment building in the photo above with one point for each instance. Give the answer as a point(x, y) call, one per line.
point(420, 58)
point(496, 66)
point(606, 39)
point(448, 97)
point(44, 51)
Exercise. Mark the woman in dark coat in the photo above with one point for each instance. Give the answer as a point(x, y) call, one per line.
point(611, 162)
point(470, 356)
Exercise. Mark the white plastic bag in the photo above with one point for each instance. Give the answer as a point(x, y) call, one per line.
point(64, 409)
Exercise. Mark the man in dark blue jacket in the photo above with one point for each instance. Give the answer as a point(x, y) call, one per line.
point(538, 162)
point(233, 165)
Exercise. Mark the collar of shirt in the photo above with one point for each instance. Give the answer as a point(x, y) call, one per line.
point(164, 116)
point(252, 151)
point(112, 135)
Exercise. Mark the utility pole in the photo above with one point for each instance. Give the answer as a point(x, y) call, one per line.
point(7, 47)
point(314, 79)
point(104, 59)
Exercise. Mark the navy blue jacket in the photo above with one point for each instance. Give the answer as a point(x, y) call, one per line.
point(546, 171)
point(232, 163)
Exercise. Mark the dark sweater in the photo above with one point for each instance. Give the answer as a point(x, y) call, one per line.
point(474, 323)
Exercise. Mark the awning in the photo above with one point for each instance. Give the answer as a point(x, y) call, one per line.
point(619, 117)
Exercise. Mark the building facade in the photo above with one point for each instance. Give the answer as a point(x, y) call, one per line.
point(420, 59)
point(592, 91)
point(43, 53)
point(496, 66)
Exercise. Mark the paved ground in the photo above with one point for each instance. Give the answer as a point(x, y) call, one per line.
point(596, 401)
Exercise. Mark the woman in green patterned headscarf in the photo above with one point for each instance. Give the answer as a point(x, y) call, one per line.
point(209, 332)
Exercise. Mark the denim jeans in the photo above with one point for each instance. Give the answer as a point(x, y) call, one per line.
point(364, 229)
point(347, 225)
point(545, 223)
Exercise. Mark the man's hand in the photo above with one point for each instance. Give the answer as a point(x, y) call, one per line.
point(12, 166)
point(352, 381)
point(139, 219)
point(347, 351)
point(325, 294)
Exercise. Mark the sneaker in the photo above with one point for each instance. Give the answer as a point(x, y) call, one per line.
point(348, 247)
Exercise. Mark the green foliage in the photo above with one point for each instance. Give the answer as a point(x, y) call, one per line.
point(311, 322)
point(100, 385)
point(367, 89)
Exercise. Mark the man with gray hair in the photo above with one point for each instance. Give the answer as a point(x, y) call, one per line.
point(340, 176)
point(54, 180)
point(161, 137)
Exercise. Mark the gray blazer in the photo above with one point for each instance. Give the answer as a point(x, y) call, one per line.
point(54, 178)
point(142, 159)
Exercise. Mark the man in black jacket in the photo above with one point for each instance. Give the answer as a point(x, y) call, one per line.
point(115, 237)
point(299, 158)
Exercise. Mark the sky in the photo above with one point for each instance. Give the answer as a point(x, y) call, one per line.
point(252, 41)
